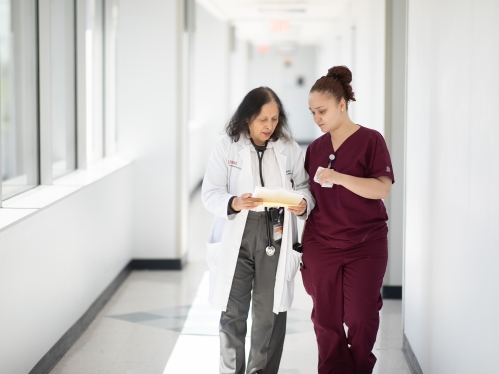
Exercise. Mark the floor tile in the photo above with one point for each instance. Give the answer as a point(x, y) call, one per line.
point(137, 368)
point(160, 322)
point(87, 367)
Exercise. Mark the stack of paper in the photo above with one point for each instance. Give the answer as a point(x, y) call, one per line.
point(276, 197)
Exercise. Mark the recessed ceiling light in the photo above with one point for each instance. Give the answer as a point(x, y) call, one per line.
point(289, 10)
point(284, 2)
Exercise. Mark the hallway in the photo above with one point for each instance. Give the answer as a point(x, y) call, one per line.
point(159, 322)
point(109, 110)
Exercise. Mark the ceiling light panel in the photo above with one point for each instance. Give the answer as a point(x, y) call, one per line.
point(248, 9)
point(303, 21)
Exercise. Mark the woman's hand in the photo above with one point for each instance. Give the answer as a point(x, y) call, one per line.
point(329, 175)
point(369, 188)
point(299, 209)
point(245, 201)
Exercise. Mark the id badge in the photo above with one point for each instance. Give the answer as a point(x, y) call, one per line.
point(277, 231)
point(326, 184)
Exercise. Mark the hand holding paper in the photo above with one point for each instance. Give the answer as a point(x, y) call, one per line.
point(245, 201)
point(324, 184)
point(299, 209)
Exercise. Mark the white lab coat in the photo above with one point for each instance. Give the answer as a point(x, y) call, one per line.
point(229, 174)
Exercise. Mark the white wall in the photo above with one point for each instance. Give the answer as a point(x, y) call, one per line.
point(369, 63)
point(147, 77)
point(395, 133)
point(269, 69)
point(451, 261)
point(357, 40)
point(337, 46)
point(239, 73)
point(55, 263)
point(210, 90)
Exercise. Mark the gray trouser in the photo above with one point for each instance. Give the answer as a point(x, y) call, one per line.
point(254, 269)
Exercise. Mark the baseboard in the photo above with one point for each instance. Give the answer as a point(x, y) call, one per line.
point(410, 357)
point(392, 292)
point(157, 264)
point(54, 355)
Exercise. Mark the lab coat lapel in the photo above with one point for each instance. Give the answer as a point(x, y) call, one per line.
point(245, 155)
point(281, 160)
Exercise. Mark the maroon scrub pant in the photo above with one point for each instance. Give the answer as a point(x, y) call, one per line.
point(345, 286)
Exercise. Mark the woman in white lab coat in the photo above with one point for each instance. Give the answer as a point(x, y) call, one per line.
point(250, 249)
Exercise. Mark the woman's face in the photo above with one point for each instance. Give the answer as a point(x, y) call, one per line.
point(327, 112)
point(264, 124)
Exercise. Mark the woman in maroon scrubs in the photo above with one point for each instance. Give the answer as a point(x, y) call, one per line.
point(345, 247)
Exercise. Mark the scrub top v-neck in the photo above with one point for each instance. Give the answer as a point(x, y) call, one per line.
point(341, 218)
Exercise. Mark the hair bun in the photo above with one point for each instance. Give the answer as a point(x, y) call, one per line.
point(336, 83)
point(342, 73)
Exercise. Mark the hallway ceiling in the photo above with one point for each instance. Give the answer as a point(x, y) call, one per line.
point(266, 22)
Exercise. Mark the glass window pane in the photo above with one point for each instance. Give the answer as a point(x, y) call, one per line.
point(63, 86)
point(110, 50)
point(95, 80)
point(18, 96)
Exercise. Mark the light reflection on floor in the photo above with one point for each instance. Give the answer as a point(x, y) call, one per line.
point(200, 336)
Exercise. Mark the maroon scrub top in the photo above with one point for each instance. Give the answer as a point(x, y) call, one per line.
point(341, 218)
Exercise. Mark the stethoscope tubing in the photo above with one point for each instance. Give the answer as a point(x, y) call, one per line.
point(260, 158)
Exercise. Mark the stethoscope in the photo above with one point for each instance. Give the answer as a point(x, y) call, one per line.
point(270, 250)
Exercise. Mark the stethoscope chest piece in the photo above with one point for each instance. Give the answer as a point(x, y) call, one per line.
point(270, 251)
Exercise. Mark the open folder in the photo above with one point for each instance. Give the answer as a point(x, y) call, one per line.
point(276, 197)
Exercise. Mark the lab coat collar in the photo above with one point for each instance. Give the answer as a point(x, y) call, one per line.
point(245, 142)
point(245, 145)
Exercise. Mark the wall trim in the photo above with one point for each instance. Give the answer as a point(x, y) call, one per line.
point(157, 264)
point(54, 355)
point(410, 357)
point(392, 292)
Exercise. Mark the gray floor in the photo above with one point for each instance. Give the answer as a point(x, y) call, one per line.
point(159, 322)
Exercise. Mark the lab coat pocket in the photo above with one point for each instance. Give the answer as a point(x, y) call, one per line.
point(293, 263)
point(212, 255)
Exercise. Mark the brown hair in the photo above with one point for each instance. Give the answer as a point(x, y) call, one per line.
point(336, 83)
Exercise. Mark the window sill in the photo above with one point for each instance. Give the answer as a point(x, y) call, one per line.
point(27, 203)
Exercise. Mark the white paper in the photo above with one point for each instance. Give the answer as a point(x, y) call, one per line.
point(326, 184)
point(276, 197)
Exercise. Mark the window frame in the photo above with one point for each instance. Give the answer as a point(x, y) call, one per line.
point(35, 140)
point(43, 61)
point(45, 92)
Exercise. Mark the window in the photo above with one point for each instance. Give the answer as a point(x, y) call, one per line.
point(18, 96)
point(110, 50)
point(38, 81)
point(62, 57)
point(94, 52)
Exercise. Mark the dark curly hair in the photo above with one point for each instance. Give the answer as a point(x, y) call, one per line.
point(250, 107)
point(336, 83)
